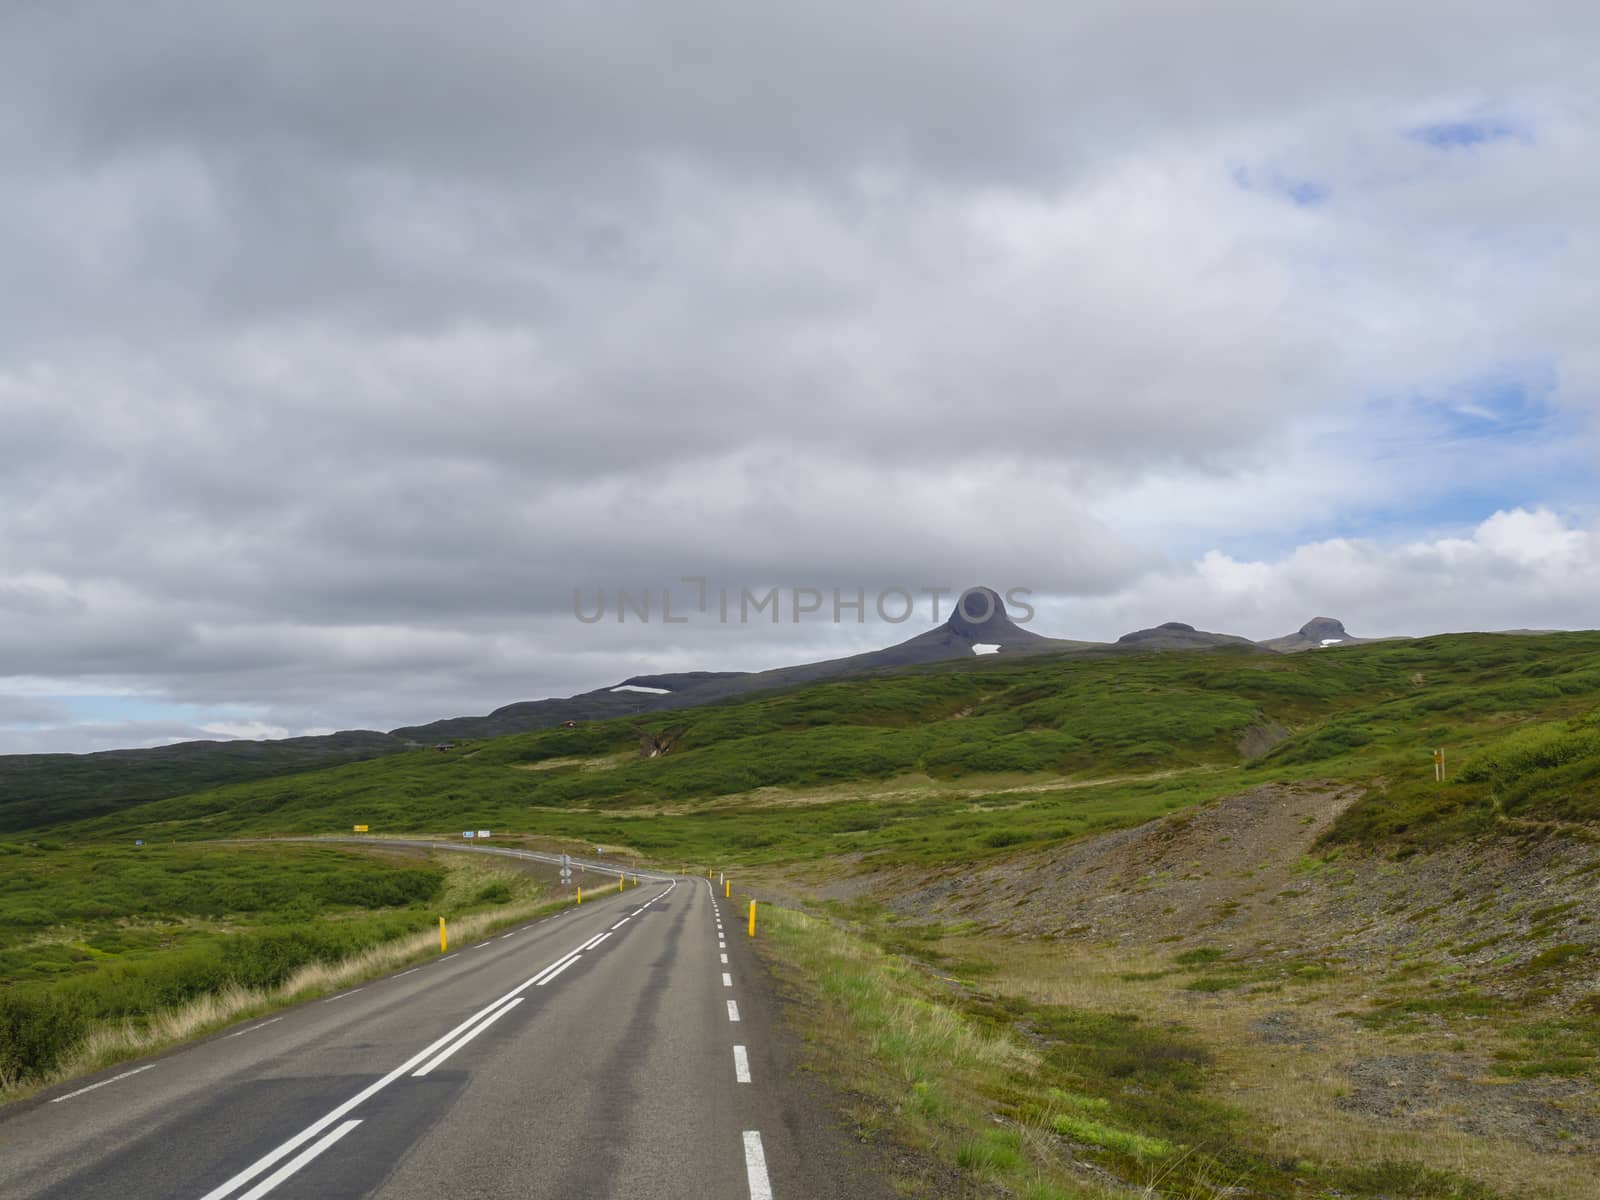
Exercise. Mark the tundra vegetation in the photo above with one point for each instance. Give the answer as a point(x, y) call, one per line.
point(1198, 923)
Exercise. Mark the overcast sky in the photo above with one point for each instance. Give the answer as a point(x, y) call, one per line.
point(340, 343)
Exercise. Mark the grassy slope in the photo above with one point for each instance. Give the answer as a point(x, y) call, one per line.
point(946, 762)
point(40, 790)
point(1040, 1098)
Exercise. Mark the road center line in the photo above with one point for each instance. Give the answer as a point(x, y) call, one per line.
point(310, 1131)
point(465, 1038)
point(103, 1082)
point(755, 1166)
point(733, 1015)
point(741, 1064)
point(558, 970)
point(724, 959)
point(727, 980)
point(300, 1160)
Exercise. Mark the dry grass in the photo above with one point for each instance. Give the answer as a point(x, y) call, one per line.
point(607, 762)
point(115, 1042)
point(1290, 1090)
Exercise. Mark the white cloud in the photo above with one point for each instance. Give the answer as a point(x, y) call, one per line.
point(1519, 568)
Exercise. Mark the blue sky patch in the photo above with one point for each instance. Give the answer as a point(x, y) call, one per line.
point(1302, 193)
point(1463, 135)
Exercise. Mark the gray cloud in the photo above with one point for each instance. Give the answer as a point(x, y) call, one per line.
point(340, 342)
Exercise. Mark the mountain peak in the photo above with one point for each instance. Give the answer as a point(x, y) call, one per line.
point(1319, 628)
point(980, 615)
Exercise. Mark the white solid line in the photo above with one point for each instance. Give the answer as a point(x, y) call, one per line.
point(558, 970)
point(595, 941)
point(559, 965)
point(755, 1166)
point(724, 959)
point(467, 1037)
point(421, 1056)
point(295, 1163)
point(727, 980)
point(103, 1082)
point(741, 1065)
point(733, 1011)
point(241, 1033)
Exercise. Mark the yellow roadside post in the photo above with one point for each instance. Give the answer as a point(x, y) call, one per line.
point(580, 893)
point(444, 941)
point(752, 918)
point(727, 889)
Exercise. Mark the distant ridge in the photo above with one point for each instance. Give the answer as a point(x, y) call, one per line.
point(1175, 635)
point(979, 620)
point(37, 790)
point(1316, 634)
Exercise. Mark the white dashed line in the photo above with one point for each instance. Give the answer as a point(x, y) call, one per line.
point(727, 980)
point(733, 1010)
point(300, 1160)
point(724, 959)
point(241, 1033)
point(452, 954)
point(413, 970)
point(741, 1064)
point(620, 923)
point(342, 995)
point(113, 1079)
point(755, 1166)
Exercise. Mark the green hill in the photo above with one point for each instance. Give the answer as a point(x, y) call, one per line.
point(951, 760)
point(40, 790)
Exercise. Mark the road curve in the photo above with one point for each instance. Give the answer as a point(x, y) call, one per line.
point(607, 1051)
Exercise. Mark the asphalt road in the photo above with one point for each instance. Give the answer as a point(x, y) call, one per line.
point(609, 1051)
